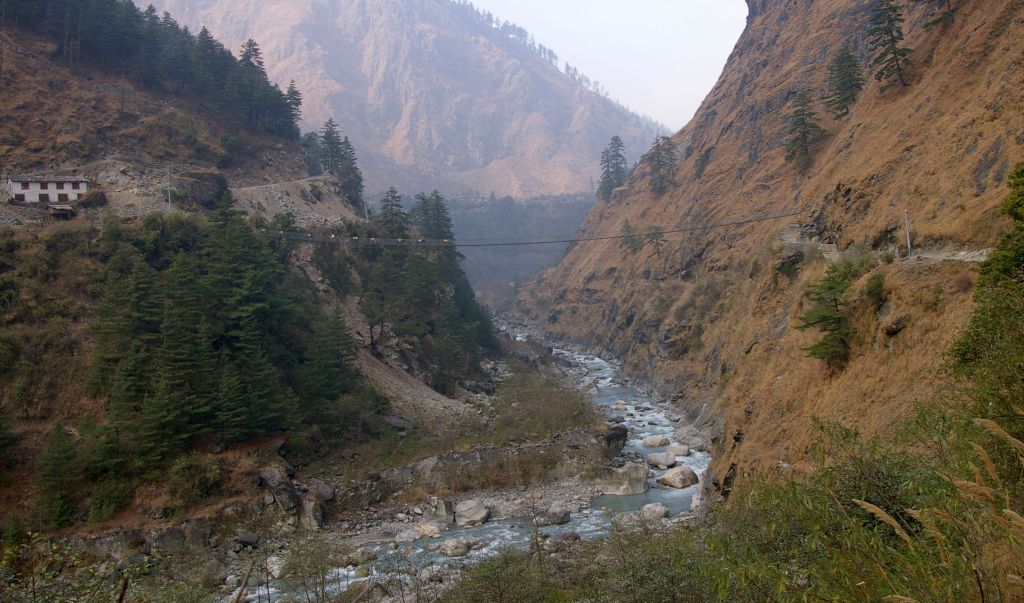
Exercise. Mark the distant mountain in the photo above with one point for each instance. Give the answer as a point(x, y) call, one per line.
point(433, 93)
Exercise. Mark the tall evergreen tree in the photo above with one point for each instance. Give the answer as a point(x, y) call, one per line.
point(613, 168)
point(392, 217)
point(332, 153)
point(662, 160)
point(845, 81)
point(804, 130)
point(294, 99)
point(55, 477)
point(885, 34)
point(350, 174)
point(234, 409)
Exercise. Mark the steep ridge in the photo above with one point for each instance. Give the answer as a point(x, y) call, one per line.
point(430, 95)
point(710, 316)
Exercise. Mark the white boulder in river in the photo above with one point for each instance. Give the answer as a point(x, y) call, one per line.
point(656, 441)
point(679, 450)
point(654, 511)
point(471, 513)
point(630, 480)
point(661, 459)
point(455, 548)
point(557, 515)
point(680, 477)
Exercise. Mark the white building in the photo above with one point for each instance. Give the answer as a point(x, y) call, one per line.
point(47, 189)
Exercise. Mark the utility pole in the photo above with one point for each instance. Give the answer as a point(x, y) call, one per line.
point(906, 222)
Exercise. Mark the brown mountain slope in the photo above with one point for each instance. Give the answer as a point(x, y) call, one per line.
point(711, 316)
point(87, 121)
point(431, 97)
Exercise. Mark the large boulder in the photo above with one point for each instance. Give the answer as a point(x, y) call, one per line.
point(409, 535)
point(630, 480)
point(656, 441)
point(679, 449)
point(661, 459)
point(680, 477)
point(557, 515)
point(471, 513)
point(455, 548)
point(438, 509)
point(615, 439)
point(431, 529)
point(654, 511)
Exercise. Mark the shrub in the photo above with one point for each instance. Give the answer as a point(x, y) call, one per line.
point(875, 292)
point(194, 477)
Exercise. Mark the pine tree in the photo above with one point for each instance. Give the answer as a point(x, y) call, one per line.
point(630, 240)
point(55, 477)
point(827, 314)
point(332, 154)
point(613, 168)
point(329, 369)
point(132, 383)
point(294, 99)
point(885, 33)
point(662, 160)
point(187, 364)
point(804, 130)
point(350, 174)
point(845, 81)
point(392, 217)
point(233, 408)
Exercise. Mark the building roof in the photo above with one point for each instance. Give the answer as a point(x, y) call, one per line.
point(60, 208)
point(49, 179)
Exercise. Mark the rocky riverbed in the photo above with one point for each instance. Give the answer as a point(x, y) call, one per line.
point(655, 478)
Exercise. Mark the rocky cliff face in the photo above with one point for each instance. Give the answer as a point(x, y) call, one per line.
point(709, 315)
point(431, 96)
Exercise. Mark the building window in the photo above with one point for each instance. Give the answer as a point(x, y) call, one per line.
point(62, 198)
point(24, 186)
point(20, 198)
point(43, 186)
point(44, 198)
point(75, 186)
point(60, 186)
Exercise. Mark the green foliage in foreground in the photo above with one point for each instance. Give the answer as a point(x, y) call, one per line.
point(935, 517)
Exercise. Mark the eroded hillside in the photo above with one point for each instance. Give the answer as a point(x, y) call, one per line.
point(431, 96)
point(710, 316)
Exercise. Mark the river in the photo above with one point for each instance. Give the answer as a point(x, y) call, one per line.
point(618, 401)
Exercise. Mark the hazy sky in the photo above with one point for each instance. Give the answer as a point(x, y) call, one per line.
point(659, 57)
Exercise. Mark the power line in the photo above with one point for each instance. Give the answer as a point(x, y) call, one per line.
point(334, 239)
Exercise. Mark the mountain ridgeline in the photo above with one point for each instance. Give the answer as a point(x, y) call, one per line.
point(435, 94)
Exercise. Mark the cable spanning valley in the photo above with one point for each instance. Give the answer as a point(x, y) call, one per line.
point(335, 239)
